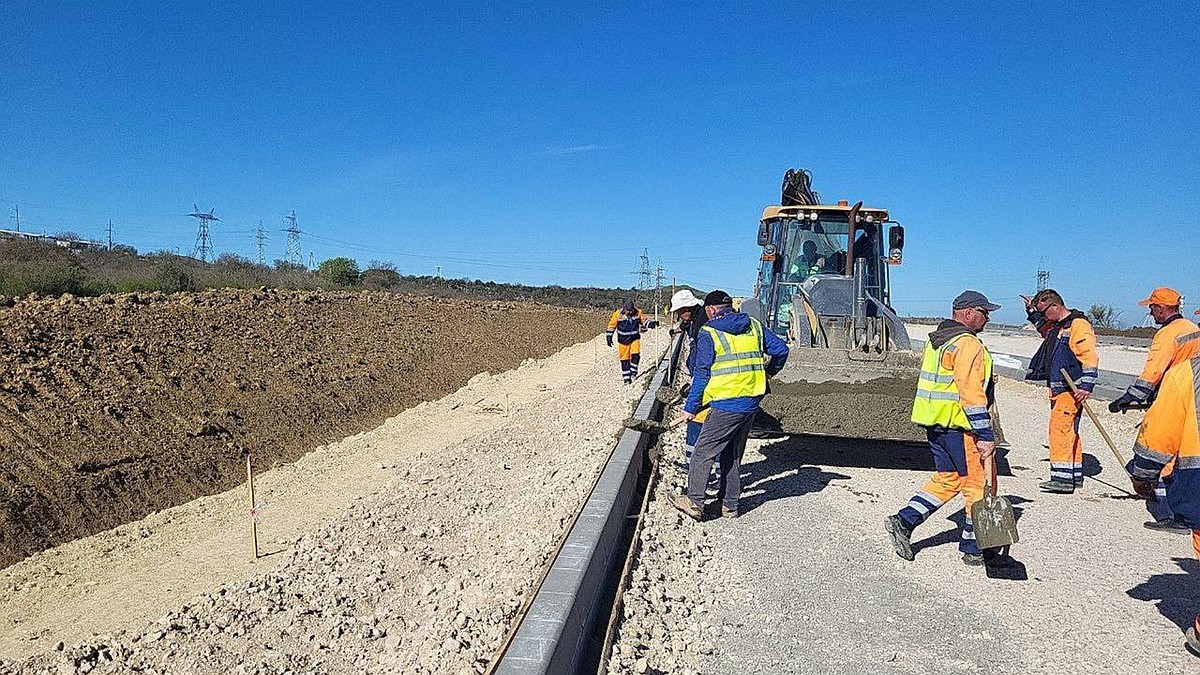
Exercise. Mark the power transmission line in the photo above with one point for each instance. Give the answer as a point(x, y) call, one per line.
point(260, 237)
point(203, 241)
point(294, 254)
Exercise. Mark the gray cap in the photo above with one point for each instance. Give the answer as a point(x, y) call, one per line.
point(968, 299)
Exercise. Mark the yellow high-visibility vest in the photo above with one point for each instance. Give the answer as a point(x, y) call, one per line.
point(937, 403)
point(739, 367)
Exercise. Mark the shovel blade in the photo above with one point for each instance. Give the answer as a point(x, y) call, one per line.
point(994, 522)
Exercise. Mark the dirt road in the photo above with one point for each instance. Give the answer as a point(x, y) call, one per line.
point(404, 549)
point(807, 582)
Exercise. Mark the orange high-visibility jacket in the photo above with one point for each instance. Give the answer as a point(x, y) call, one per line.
point(972, 383)
point(1075, 351)
point(1171, 431)
point(627, 327)
point(1177, 341)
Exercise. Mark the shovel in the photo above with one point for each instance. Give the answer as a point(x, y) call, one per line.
point(1100, 427)
point(992, 516)
point(651, 426)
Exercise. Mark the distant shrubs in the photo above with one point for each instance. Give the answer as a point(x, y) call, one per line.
point(340, 271)
point(47, 269)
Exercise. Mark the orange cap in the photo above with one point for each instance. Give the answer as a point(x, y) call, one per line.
point(1162, 296)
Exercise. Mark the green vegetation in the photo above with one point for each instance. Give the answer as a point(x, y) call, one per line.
point(46, 269)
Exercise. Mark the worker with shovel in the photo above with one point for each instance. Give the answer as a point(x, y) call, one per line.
point(688, 310)
point(735, 354)
point(951, 402)
point(1177, 340)
point(1069, 347)
point(1169, 434)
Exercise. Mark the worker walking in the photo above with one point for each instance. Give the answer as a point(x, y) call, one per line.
point(1070, 346)
point(953, 394)
point(628, 324)
point(734, 357)
point(1178, 340)
point(1169, 434)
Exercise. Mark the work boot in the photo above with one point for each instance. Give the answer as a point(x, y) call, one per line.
point(1057, 487)
point(687, 507)
point(900, 536)
point(1167, 525)
point(727, 512)
point(973, 559)
point(995, 557)
point(1192, 642)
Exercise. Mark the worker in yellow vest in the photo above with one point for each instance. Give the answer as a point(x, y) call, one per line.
point(953, 394)
point(734, 356)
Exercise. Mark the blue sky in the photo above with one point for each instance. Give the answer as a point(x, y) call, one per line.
point(552, 143)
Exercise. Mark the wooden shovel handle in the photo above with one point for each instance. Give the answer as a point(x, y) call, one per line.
point(1095, 420)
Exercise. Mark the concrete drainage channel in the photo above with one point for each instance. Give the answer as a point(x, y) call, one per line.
point(566, 628)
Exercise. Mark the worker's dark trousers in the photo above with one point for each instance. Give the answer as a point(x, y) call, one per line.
point(723, 436)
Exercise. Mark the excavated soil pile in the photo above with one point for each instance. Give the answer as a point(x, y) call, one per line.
point(877, 409)
point(114, 407)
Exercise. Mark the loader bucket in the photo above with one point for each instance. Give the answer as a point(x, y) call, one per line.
point(836, 392)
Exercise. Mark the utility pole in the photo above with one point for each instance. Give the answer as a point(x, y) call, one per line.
point(1043, 278)
point(203, 242)
point(261, 237)
point(17, 212)
point(310, 260)
point(659, 280)
point(294, 255)
point(110, 234)
point(439, 271)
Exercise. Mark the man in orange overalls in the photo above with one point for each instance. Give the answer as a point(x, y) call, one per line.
point(627, 324)
point(1070, 346)
point(1168, 435)
point(1177, 341)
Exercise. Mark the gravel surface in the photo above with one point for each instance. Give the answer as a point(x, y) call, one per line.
point(419, 575)
point(806, 580)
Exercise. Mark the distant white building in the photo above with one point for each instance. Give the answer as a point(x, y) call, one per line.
point(72, 244)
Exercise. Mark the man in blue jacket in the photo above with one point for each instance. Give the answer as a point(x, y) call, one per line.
point(734, 356)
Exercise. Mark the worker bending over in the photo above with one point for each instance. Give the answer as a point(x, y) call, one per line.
point(734, 357)
point(1169, 434)
point(1070, 345)
point(1178, 340)
point(953, 394)
point(628, 324)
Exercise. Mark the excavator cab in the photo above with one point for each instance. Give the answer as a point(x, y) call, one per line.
point(824, 278)
point(824, 284)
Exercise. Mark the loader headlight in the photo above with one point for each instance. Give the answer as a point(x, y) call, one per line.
point(812, 215)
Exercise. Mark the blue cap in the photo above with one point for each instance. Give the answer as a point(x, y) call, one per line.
point(968, 299)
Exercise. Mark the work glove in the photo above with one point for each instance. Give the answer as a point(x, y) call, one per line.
point(1121, 404)
point(1145, 490)
point(608, 339)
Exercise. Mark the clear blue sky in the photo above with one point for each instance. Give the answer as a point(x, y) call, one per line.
point(550, 144)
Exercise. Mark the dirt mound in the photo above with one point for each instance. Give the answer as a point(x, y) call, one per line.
point(118, 406)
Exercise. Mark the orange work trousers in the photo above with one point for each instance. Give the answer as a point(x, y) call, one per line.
point(1066, 450)
point(626, 352)
point(959, 470)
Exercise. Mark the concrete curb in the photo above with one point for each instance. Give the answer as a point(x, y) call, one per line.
point(555, 633)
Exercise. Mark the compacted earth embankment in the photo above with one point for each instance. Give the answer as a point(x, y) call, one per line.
point(115, 407)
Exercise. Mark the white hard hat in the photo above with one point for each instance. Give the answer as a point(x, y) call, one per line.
point(684, 299)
